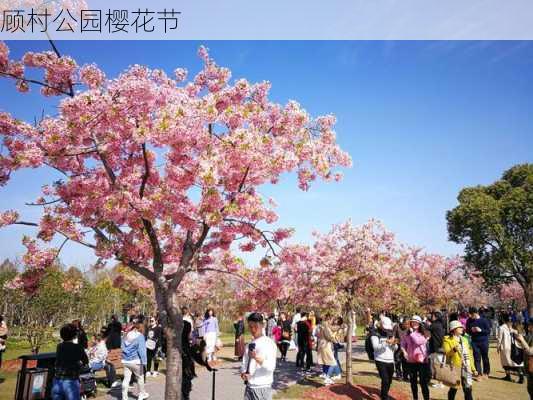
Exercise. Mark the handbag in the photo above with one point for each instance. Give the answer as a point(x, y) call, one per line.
point(219, 344)
point(446, 373)
point(151, 344)
point(517, 354)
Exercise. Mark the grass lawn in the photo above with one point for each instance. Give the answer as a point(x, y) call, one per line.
point(365, 374)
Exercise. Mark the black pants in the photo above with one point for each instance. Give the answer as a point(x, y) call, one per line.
point(467, 392)
point(150, 356)
point(386, 373)
point(283, 347)
point(424, 372)
point(481, 353)
point(306, 352)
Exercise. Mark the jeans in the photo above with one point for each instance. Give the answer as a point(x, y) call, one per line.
point(110, 373)
point(386, 373)
point(467, 391)
point(481, 353)
point(97, 365)
point(66, 389)
point(332, 370)
point(422, 370)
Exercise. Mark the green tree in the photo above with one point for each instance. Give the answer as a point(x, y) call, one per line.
point(495, 223)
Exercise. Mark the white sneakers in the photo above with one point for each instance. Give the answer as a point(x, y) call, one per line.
point(336, 377)
point(328, 381)
point(155, 373)
point(143, 396)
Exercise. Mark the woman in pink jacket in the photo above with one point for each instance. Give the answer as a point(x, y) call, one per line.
point(415, 349)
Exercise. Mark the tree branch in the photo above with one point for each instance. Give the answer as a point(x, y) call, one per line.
point(37, 83)
point(146, 172)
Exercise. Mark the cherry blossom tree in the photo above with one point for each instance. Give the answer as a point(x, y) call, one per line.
point(443, 282)
point(283, 282)
point(157, 172)
point(357, 267)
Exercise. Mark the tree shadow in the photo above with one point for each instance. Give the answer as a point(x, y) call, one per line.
point(287, 374)
point(361, 392)
point(366, 373)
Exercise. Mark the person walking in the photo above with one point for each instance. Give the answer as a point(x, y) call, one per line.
point(506, 339)
point(113, 333)
point(270, 324)
point(211, 333)
point(527, 345)
point(304, 344)
point(295, 319)
point(154, 339)
point(198, 332)
point(325, 341)
point(384, 345)
point(259, 362)
point(286, 336)
point(437, 331)
point(458, 350)
point(81, 336)
point(3, 337)
point(400, 363)
point(70, 357)
point(415, 348)
point(339, 330)
point(238, 326)
point(478, 328)
point(134, 360)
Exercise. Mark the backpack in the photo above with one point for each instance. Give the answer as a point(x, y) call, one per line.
point(368, 346)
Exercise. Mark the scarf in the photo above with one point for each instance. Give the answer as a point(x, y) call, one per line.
point(466, 370)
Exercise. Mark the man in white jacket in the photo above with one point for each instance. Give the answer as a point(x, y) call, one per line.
point(259, 362)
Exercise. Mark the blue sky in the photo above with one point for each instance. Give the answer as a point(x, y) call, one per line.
point(421, 120)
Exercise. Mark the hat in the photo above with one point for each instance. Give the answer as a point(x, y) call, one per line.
point(454, 325)
point(386, 323)
point(416, 318)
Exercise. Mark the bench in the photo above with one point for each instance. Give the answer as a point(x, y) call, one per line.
point(114, 359)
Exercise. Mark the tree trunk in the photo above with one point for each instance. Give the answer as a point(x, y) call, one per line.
point(349, 372)
point(172, 323)
point(529, 297)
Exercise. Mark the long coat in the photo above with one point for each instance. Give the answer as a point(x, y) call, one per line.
point(504, 347)
point(325, 345)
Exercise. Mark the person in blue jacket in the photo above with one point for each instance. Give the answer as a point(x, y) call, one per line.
point(134, 359)
point(478, 328)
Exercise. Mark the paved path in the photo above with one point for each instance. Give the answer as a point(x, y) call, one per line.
point(228, 384)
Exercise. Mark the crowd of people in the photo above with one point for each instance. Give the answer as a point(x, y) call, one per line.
point(142, 345)
point(414, 348)
point(406, 348)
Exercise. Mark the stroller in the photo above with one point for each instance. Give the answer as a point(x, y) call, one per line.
point(87, 382)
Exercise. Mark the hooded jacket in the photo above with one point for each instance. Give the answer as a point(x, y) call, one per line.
point(134, 348)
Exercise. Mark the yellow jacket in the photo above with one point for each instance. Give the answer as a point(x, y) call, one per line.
point(455, 357)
